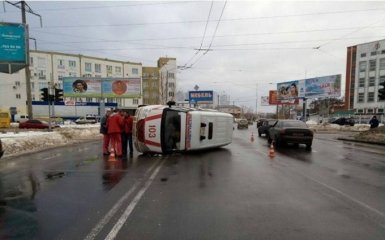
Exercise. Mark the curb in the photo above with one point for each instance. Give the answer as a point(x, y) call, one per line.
point(360, 141)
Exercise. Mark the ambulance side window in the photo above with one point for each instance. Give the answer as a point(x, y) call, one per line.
point(211, 130)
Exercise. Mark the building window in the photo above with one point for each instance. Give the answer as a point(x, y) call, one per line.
point(171, 75)
point(88, 99)
point(135, 101)
point(382, 79)
point(88, 67)
point(72, 63)
point(98, 68)
point(370, 110)
point(18, 96)
point(383, 52)
point(361, 82)
point(362, 66)
point(360, 111)
point(363, 54)
point(42, 75)
point(60, 64)
point(118, 70)
point(372, 81)
point(371, 97)
point(135, 71)
point(17, 83)
point(31, 61)
point(171, 94)
point(373, 53)
point(361, 97)
point(171, 85)
point(32, 86)
point(380, 110)
point(109, 70)
point(382, 64)
point(372, 65)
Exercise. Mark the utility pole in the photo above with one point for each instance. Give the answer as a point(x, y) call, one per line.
point(27, 72)
point(23, 6)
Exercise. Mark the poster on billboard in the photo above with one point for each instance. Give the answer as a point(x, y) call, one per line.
point(273, 99)
point(205, 97)
point(328, 86)
point(290, 90)
point(12, 47)
point(102, 87)
point(265, 101)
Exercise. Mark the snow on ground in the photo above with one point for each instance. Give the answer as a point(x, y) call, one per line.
point(16, 141)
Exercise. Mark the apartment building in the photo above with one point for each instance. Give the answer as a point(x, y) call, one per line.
point(151, 83)
point(48, 69)
point(167, 75)
point(365, 71)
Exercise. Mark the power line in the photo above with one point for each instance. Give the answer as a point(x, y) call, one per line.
point(215, 20)
point(212, 39)
point(191, 37)
point(111, 6)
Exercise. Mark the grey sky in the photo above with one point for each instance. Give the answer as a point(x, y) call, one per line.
point(256, 43)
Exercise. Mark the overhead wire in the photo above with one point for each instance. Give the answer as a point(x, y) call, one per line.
point(215, 20)
point(212, 39)
point(204, 33)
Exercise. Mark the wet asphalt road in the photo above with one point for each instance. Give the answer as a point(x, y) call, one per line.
point(335, 191)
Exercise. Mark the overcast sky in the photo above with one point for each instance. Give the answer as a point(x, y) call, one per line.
point(255, 45)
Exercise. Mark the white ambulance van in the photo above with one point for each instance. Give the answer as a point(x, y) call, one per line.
point(163, 129)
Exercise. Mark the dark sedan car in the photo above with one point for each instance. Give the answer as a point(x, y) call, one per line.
point(344, 121)
point(37, 124)
point(290, 131)
point(265, 125)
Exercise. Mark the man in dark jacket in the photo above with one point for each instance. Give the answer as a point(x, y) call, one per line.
point(374, 122)
point(127, 134)
point(104, 131)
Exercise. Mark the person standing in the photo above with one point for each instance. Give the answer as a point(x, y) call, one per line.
point(127, 134)
point(104, 131)
point(114, 128)
point(374, 122)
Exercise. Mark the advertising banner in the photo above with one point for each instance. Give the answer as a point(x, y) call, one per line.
point(102, 87)
point(12, 47)
point(329, 86)
point(205, 97)
point(265, 101)
point(290, 90)
point(12, 43)
point(273, 99)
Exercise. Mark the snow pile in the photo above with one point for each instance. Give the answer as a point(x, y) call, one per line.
point(336, 127)
point(15, 142)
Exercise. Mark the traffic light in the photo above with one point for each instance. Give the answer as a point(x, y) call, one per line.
point(58, 95)
point(44, 94)
point(381, 91)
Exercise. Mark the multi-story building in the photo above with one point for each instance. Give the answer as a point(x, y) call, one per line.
point(150, 78)
point(167, 73)
point(365, 71)
point(49, 68)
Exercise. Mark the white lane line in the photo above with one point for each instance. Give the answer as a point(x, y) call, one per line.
point(119, 224)
point(347, 196)
point(100, 225)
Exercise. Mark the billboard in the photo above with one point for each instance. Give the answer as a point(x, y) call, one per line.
point(329, 86)
point(200, 97)
point(290, 90)
point(12, 47)
point(102, 87)
point(265, 101)
point(273, 99)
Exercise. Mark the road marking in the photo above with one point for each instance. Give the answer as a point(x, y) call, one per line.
point(347, 196)
point(100, 225)
point(119, 224)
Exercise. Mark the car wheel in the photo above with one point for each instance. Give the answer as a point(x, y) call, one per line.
point(308, 146)
point(296, 145)
point(269, 141)
point(259, 134)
